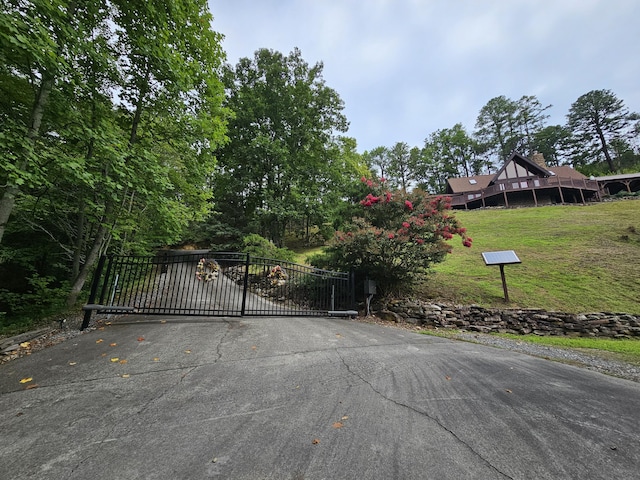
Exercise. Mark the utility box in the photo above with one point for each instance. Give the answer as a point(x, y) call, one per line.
point(369, 287)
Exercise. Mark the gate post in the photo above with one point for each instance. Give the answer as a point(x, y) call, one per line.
point(92, 294)
point(245, 285)
point(352, 288)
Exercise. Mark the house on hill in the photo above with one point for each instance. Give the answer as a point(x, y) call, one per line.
point(523, 182)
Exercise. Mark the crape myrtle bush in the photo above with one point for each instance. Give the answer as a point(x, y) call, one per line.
point(396, 238)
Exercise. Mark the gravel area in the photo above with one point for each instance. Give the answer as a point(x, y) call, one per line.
point(592, 361)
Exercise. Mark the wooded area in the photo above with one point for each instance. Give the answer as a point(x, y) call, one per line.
point(123, 130)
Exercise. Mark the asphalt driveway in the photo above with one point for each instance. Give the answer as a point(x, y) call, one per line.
point(307, 398)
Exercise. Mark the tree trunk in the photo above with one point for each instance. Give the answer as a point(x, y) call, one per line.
point(90, 261)
point(8, 200)
point(605, 149)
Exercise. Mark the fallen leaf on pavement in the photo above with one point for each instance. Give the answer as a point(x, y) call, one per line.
point(187, 351)
point(447, 377)
point(338, 425)
point(99, 340)
point(113, 344)
point(507, 390)
point(123, 361)
point(33, 385)
point(315, 441)
point(25, 344)
point(156, 359)
point(141, 339)
point(125, 375)
point(73, 363)
point(345, 417)
point(26, 380)
point(115, 359)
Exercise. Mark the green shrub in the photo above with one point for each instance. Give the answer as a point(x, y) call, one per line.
point(258, 246)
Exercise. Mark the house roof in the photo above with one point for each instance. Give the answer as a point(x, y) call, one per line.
point(468, 184)
point(567, 172)
point(624, 176)
point(480, 182)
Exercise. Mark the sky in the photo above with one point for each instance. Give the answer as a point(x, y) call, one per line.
point(407, 68)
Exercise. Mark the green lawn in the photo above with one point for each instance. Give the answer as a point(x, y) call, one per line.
point(574, 259)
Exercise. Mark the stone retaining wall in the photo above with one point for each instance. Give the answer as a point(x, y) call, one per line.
point(518, 321)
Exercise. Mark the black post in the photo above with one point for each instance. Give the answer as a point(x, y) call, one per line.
point(92, 293)
point(504, 283)
point(245, 286)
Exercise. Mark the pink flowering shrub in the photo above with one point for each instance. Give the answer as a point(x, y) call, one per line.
point(396, 239)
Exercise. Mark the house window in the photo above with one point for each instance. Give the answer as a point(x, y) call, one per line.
point(515, 185)
point(536, 183)
point(501, 186)
point(472, 181)
point(524, 184)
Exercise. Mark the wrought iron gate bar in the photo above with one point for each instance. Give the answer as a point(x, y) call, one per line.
point(205, 283)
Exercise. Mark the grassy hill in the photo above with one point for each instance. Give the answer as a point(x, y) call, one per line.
point(574, 259)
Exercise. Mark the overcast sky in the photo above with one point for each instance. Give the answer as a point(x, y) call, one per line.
point(406, 68)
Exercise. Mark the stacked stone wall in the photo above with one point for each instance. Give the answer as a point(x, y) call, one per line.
point(517, 321)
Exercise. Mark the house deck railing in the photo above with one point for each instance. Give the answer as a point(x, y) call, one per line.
point(519, 184)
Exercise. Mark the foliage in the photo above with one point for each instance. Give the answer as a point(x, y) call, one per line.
point(259, 246)
point(396, 240)
point(283, 161)
point(399, 171)
point(596, 119)
point(504, 125)
point(447, 153)
point(109, 115)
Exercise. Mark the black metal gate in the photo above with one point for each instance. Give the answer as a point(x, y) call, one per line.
point(206, 283)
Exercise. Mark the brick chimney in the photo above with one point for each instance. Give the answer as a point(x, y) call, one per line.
point(538, 159)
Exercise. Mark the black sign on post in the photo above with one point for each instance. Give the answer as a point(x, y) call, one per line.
point(505, 257)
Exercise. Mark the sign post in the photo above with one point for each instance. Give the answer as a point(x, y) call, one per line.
point(502, 258)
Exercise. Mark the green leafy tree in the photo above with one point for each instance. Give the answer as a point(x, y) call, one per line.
point(399, 172)
point(396, 239)
point(282, 142)
point(496, 128)
point(552, 142)
point(505, 125)
point(378, 159)
point(125, 140)
point(595, 119)
point(447, 153)
point(38, 40)
point(530, 118)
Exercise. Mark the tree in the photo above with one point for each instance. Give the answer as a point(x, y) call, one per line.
point(504, 125)
point(552, 142)
point(530, 118)
point(37, 42)
point(281, 141)
point(378, 158)
point(496, 128)
point(447, 153)
point(396, 238)
point(595, 119)
point(127, 132)
point(399, 172)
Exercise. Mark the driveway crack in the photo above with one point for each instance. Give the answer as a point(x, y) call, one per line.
point(422, 413)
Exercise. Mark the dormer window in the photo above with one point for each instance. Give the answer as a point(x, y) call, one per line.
point(472, 181)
